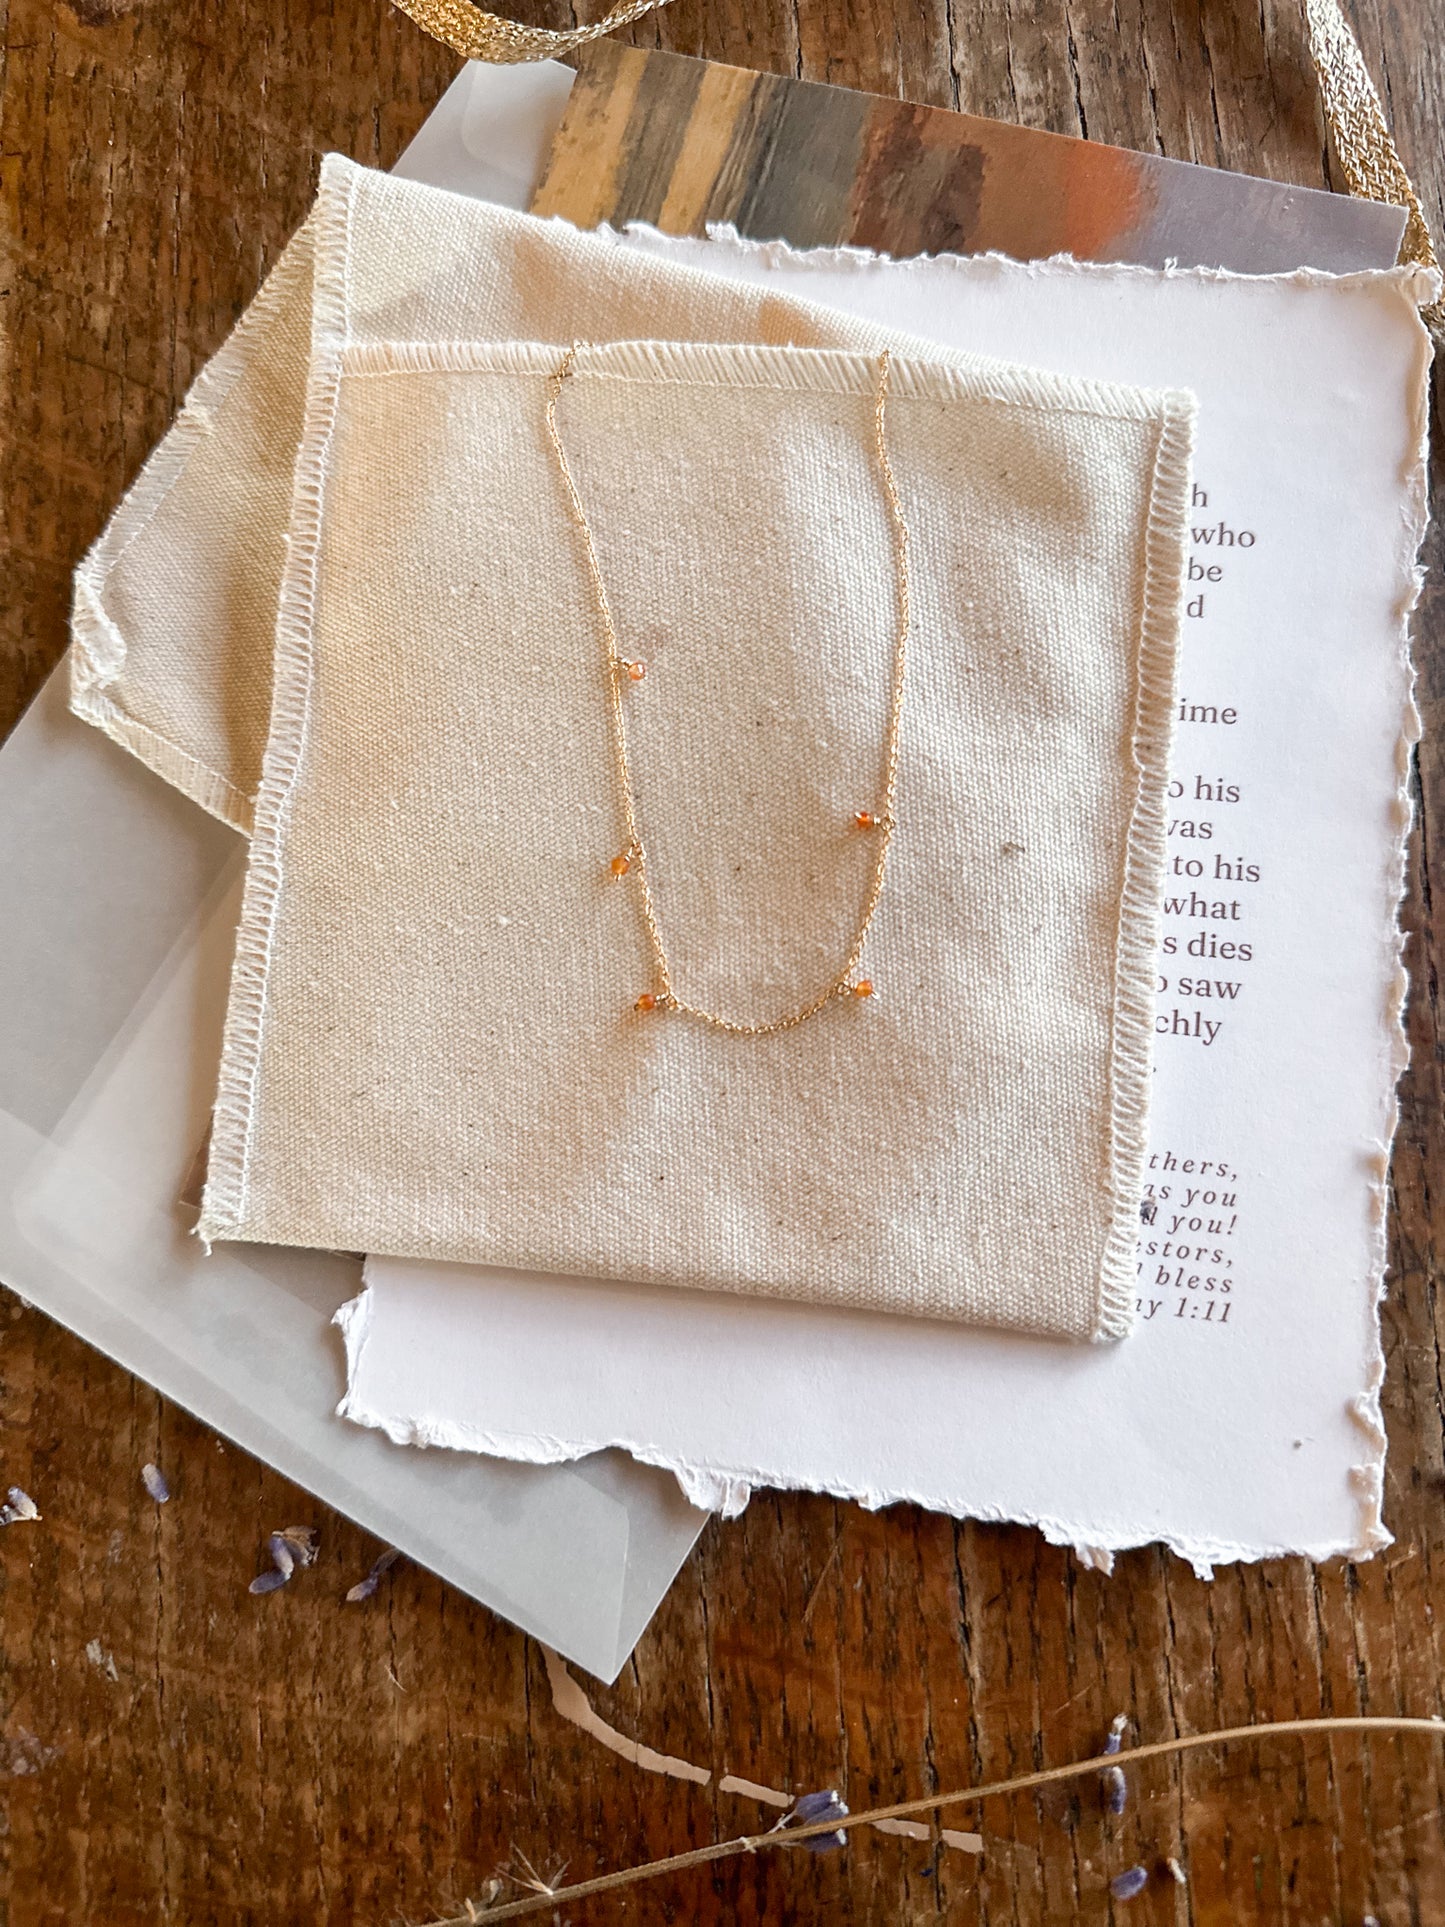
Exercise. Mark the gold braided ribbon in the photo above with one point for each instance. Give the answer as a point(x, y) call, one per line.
point(487, 36)
point(1372, 167)
point(1361, 135)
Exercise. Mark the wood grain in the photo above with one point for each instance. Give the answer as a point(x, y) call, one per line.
point(289, 1759)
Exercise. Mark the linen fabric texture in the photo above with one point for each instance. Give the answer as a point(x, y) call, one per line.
point(346, 608)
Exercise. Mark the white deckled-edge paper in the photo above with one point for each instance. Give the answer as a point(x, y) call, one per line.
point(1242, 1419)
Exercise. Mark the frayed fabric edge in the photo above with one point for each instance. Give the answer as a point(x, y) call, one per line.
point(174, 765)
point(99, 647)
point(233, 1117)
point(1131, 1067)
point(921, 372)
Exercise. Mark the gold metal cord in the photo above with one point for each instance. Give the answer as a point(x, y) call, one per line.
point(1361, 134)
point(476, 35)
point(620, 673)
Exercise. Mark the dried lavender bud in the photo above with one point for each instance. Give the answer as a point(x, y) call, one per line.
point(154, 1481)
point(364, 1588)
point(282, 1556)
point(1124, 1886)
point(20, 1507)
point(1116, 1789)
point(293, 1546)
point(1116, 1733)
point(809, 1810)
point(1148, 1210)
point(816, 1806)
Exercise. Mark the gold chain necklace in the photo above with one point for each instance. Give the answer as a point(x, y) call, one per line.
point(624, 672)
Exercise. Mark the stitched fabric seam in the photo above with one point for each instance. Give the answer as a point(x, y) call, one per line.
point(224, 1204)
point(174, 765)
point(1141, 899)
point(917, 377)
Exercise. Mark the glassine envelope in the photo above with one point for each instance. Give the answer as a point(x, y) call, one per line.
point(118, 906)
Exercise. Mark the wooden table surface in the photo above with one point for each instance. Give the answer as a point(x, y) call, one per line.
point(174, 1750)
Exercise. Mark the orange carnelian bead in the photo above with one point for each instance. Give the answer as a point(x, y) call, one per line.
point(863, 987)
point(864, 820)
point(646, 1001)
point(621, 865)
point(636, 670)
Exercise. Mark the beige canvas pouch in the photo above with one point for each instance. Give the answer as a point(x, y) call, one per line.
point(175, 606)
point(431, 1047)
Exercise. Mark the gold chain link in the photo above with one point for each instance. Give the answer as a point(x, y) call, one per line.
point(632, 861)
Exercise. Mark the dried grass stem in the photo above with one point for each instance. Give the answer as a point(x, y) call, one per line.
point(931, 1803)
